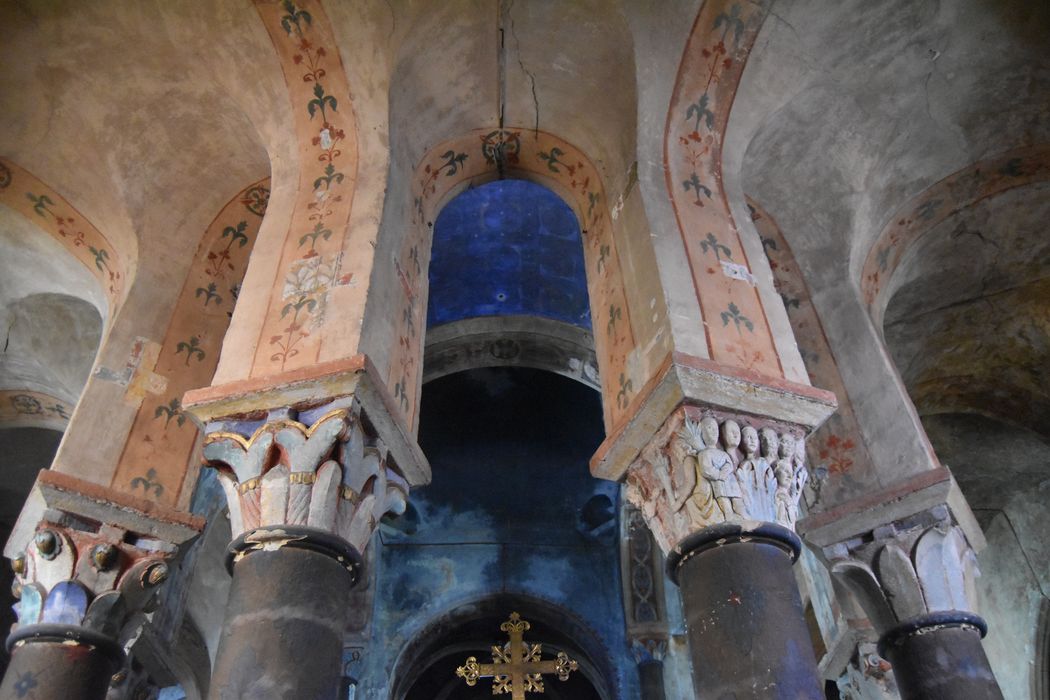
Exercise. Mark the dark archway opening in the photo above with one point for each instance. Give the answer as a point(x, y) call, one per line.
point(472, 629)
point(512, 522)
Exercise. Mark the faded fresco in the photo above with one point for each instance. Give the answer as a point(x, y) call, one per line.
point(963, 188)
point(738, 333)
point(34, 409)
point(321, 260)
point(49, 210)
point(839, 461)
point(161, 445)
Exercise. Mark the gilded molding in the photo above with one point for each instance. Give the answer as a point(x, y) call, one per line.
point(327, 474)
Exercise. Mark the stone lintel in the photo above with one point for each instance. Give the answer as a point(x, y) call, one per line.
point(900, 501)
point(58, 492)
point(690, 380)
point(302, 389)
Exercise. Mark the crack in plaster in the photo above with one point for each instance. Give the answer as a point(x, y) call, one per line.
point(521, 64)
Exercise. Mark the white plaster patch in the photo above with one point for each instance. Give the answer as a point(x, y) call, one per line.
point(737, 272)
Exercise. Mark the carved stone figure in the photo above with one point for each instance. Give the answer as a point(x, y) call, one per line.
point(790, 479)
point(717, 467)
point(689, 478)
point(731, 440)
point(747, 469)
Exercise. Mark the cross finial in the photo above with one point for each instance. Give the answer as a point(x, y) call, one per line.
point(516, 666)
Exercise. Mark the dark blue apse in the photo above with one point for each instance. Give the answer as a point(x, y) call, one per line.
point(510, 247)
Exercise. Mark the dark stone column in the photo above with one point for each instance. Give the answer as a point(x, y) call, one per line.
point(940, 657)
point(45, 665)
point(747, 630)
point(651, 675)
point(285, 618)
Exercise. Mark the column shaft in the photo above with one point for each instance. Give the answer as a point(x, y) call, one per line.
point(651, 677)
point(941, 662)
point(53, 670)
point(283, 633)
point(747, 630)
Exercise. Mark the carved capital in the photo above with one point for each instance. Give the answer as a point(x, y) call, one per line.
point(94, 563)
point(648, 649)
point(916, 572)
point(321, 469)
point(707, 467)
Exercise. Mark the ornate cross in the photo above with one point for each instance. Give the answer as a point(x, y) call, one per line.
point(516, 667)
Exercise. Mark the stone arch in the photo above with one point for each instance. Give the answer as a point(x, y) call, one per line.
point(50, 212)
point(158, 459)
point(958, 303)
point(489, 116)
point(955, 193)
point(617, 304)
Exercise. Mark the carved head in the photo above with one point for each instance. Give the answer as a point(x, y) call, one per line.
point(709, 430)
point(750, 440)
point(768, 439)
point(787, 446)
point(731, 434)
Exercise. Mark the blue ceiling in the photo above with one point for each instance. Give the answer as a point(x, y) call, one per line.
point(510, 247)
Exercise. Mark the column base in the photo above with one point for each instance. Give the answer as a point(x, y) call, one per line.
point(940, 657)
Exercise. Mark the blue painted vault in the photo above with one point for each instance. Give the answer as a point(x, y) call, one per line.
point(509, 247)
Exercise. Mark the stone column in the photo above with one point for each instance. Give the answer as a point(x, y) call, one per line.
point(307, 483)
point(84, 579)
point(721, 493)
point(915, 578)
point(649, 654)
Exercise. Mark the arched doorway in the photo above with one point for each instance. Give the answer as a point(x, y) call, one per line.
point(427, 669)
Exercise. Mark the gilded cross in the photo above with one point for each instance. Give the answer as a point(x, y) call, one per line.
point(516, 666)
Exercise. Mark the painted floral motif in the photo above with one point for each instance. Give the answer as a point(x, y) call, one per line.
point(501, 148)
point(148, 483)
point(255, 199)
point(958, 191)
point(170, 410)
point(707, 81)
point(17, 406)
point(325, 125)
point(219, 261)
point(159, 449)
point(841, 463)
point(48, 210)
point(305, 294)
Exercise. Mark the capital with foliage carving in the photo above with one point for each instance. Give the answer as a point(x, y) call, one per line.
point(319, 469)
point(707, 467)
point(93, 564)
point(916, 572)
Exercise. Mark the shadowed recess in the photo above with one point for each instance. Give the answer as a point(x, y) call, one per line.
point(509, 247)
